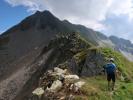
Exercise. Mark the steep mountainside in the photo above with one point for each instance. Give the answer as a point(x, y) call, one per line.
point(32, 34)
point(80, 58)
point(21, 45)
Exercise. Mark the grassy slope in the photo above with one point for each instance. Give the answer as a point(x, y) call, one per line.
point(96, 87)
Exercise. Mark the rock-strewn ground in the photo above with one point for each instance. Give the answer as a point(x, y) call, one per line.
point(57, 84)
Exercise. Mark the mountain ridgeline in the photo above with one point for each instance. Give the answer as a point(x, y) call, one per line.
point(42, 41)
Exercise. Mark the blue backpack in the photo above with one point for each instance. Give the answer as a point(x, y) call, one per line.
point(110, 68)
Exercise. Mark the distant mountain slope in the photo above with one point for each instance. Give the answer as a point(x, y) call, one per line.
point(90, 35)
point(124, 46)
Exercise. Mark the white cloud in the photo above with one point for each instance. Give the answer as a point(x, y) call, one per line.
point(86, 12)
point(91, 13)
point(30, 4)
point(119, 7)
point(78, 11)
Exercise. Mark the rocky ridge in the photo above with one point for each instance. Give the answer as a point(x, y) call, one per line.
point(57, 84)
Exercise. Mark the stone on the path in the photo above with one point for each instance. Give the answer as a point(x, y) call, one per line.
point(38, 91)
point(59, 71)
point(71, 78)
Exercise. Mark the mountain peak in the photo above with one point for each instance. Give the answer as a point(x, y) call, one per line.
point(39, 20)
point(37, 12)
point(45, 12)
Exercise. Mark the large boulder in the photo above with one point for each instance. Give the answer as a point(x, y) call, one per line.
point(87, 63)
point(57, 85)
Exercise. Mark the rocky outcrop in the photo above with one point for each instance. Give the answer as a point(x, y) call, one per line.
point(87, 63)
point(57, 81)
point(51, 87)
point(64, 47)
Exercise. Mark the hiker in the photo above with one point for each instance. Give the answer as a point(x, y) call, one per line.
point(110, 69)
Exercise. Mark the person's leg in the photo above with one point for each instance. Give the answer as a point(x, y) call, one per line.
point(109, 81)
point(113, 81)
point(113, 85)
point(109, 85)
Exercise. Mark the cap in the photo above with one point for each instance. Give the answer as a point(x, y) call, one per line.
point(111, 59)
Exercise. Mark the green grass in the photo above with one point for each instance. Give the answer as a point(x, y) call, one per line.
point(96, 89)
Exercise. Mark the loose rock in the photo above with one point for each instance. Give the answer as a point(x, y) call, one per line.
point(38, 91)
point(71, 78)
point(59, 71)
point(55, 86)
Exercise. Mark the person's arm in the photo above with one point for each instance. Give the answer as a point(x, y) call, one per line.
point(105, 73)
point(116, 72)
point(104, 69)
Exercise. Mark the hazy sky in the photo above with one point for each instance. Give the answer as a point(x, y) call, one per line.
point(112, 17)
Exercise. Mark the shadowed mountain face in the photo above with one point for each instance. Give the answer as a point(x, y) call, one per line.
point(19, 48)
point(27, 36)
point(30, 48)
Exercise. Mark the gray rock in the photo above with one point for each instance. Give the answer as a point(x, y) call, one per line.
point(59, 71)
point(55, 86)
point(38, 92)
point(71, 78)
